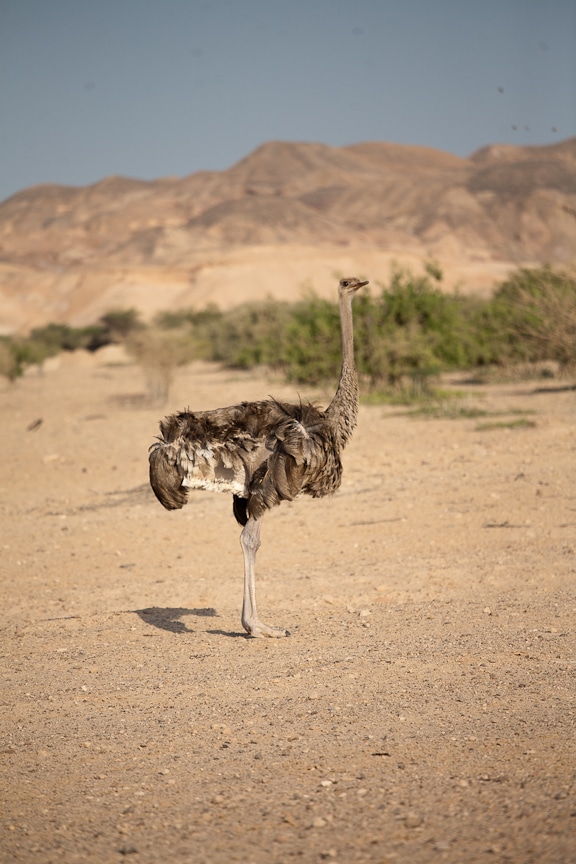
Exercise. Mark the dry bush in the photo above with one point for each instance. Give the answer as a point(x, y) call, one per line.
point(8, 364)
point(551, 325)
point(160, 353)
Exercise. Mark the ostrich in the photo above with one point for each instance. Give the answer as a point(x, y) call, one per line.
point(263, 453)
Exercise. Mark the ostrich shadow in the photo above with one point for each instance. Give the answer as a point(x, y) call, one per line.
point(170, 619)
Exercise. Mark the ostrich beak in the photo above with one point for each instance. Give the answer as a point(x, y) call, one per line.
point(361, 285)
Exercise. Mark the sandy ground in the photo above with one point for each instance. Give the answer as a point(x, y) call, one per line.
point(422, 709)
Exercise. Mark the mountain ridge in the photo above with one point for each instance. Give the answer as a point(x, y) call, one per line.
point(502, 205)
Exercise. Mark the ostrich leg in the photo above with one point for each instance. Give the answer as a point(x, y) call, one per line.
point(250, 542)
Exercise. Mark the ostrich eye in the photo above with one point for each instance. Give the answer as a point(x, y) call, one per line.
point(345, 283)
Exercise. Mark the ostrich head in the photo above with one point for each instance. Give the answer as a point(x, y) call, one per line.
point(350, 285)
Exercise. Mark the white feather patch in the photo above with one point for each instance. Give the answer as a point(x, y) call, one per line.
point(212, 485)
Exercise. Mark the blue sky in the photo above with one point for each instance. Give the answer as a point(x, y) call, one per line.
point(149, 88)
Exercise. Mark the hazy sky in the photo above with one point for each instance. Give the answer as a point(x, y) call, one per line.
point(148, 88)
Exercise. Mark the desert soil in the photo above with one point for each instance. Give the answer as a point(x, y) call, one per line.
point(422, 709)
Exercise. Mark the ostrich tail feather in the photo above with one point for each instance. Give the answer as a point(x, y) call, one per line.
point(165, 478)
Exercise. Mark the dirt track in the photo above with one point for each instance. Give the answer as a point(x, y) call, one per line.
point(421, 711)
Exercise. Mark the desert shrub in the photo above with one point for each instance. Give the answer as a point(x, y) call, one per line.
point(10, 367)
point(174, 319)
point(250, 335)
point(116, 326)
point(536, 314)
point(312, 344)
point(412, 329)
point(54, 338)
point(160, 353)
point(407, 332)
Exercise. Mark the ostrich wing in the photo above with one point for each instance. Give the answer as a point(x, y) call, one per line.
point(214, 450)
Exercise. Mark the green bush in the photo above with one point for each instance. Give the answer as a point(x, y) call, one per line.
point(412, 329)
point(536, 309)
point(312, 344)
point(250, 335)
point(407, 332)
point(10, 366)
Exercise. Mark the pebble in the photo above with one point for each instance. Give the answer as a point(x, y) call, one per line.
point(413, 820)
point(318, 822)
point(326, 783)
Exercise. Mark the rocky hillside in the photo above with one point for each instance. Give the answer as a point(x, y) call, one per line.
point(70, 252)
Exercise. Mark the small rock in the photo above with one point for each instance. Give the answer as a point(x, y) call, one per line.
point(413, 820)
point(362, 792)
point(326, 783)
point(318, 822)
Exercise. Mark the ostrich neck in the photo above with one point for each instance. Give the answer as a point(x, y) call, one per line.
point(343, 410)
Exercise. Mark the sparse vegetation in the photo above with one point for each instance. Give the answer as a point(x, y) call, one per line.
point(9, 367)
point(159, 353)
point(408, 332)
point(538, 307)
point(520, 423)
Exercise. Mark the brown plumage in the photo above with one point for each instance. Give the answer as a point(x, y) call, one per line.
point(262, 452)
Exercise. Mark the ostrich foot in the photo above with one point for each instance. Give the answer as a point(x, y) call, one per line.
point(257, 629)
